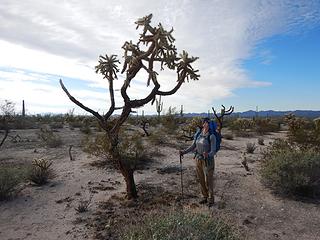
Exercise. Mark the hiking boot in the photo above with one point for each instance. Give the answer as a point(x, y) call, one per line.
point(203, 201)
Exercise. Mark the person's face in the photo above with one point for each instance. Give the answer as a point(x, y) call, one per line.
point(205, 126)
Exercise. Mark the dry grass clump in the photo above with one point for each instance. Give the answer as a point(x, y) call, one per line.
point(41, 172)
point(250, 147)
point(83, 205)
point(179, 225)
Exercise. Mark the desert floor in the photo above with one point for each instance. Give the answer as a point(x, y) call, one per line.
point(48, 212)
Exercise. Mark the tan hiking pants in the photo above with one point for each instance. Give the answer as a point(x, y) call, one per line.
point(206, 178)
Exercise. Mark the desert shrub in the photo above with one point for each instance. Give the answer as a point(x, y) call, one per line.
point(134, 120)
point(180, 226)
point(266, 125)
point(98, 145)
point(261, 141)
point(158, 137)
point(250, 147)
point(48, 137)
point(241, 124)
point(75, 121)
point(188, 129)
point(193, 124)
point(290, 170)
point(228, 136)
point(241, 127)
point(10, 177)
point(41, 172)
point(56, 125)
point(130, 145)
point(170, 121)
point(8, 183)
point(75, 124)
point(85, 127)
point(303, 132)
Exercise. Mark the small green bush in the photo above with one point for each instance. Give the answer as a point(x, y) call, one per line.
point(180, 226)
point(41, 172)
point(290, 170)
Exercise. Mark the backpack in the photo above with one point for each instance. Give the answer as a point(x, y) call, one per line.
point(212, 130)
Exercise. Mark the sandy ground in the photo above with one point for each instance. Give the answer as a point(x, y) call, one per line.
point(48, 212)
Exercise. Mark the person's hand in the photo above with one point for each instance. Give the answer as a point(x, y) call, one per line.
point(205, 155)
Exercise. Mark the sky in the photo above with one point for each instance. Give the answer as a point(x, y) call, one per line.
point(261, 54)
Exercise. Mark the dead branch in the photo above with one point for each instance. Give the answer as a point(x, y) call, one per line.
point(70, 154)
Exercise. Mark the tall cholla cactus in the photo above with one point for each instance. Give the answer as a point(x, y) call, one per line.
point(159, 106)
point(158, 49)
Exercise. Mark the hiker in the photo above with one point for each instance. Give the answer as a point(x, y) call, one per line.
point(204, 147)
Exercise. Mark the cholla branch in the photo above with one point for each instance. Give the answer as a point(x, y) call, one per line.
point(96, 114)
point(223, 113)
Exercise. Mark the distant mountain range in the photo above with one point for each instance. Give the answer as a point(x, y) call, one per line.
point(270, 113)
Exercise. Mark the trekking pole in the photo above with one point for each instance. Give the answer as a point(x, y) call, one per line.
point(181, 175)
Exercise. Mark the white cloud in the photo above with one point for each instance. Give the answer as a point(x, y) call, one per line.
point(66, 38)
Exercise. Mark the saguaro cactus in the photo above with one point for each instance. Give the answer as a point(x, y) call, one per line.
point(159, 49)
point(181, 111)
point(23, 109)
point(159, 106)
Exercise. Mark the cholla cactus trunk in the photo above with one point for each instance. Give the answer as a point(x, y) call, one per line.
point(23, 109)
